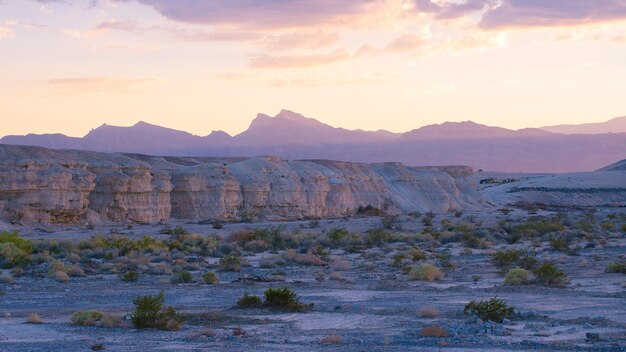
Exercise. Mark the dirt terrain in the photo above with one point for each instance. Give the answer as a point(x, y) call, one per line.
point(364, 294)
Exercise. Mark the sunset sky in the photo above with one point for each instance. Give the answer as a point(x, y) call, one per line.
point(201, 65)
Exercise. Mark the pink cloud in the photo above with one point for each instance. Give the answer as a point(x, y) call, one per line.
point(543, 13)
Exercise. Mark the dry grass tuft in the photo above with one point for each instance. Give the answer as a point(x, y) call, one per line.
point(333, 340)
point(426, 272)
point(434, 331)
point(428, 312)
point(34, 318)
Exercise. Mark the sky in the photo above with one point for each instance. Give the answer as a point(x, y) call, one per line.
point(200, 65)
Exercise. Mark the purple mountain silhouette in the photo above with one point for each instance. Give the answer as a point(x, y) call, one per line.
point(293, 136)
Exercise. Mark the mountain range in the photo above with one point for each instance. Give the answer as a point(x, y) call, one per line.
point(290, 135)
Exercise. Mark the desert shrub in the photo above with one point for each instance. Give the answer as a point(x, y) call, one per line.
point(177, 231)
point(426, 272)
point(428, 312)
point(495, 309)
point(75, 271)
point(538, 227)
point(427, 219)
point(389, 221)
point(377, 237)
point(230, 263)
point(471, 239)
point(61, 276)
point(95, 318)
point(518, 257)
point(272, 236)
point(9, 255)
point(218, 225)
point(445, 260)
point(182, 277)
point(210, 278)
point(249, 301)
point(130, 276)
point(86, 317)
point(562, 245)
point(608, 226)
point(548, 274)
point(292, 256)
point(398, 260)
point(283, 298)
point(616, 267)
point(517, 276)
point(434, 331)
point(7, 279)
point(337, 235)
point(34, 318)
point(332, 340)
point(150, 312)
point(24, 245)
point(416, 254)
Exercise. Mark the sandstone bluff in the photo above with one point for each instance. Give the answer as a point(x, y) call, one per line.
point(39, 185)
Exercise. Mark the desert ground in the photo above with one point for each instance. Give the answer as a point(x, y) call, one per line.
point(368, 282)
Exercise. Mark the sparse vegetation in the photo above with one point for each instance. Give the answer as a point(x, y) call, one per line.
point(249, 301)
point(426, 272)
point(518, 276)
point(130, 276)
point(95, 318)
point(150, 312)
point(616, 267)
point(210, 278)
point(494, 309)
point(434, 331)
point(182, 277)
point(548, 274)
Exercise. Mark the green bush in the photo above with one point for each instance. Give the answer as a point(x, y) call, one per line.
point(538, 227)
point(24, 245)
point(337, 235)
point(517, 276)
point(14, 250)
point(182, 277)
point(210, 278)
point(562, 245)
point(282, 298)
point(378, 237)
point(151, 313)
point(495, 309)
point(518, 257)
point(548, 274)
point(616, 267)
point(426, 272)
point(95, 318)
point(130, 276)
point(249, 301)
point(230, 263)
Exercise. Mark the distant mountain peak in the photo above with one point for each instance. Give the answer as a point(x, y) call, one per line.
point(292, 116)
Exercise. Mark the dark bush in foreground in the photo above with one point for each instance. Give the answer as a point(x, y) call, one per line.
point(548, 274)
point(276, 298)
point(282, 298)
point(150, 313)
point(495, 309)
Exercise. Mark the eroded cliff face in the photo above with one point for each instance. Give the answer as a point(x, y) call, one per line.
point(69, 187)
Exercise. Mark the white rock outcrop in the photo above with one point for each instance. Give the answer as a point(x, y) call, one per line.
point(71, 187)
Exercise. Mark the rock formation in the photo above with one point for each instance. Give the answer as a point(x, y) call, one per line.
point(39, 185)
